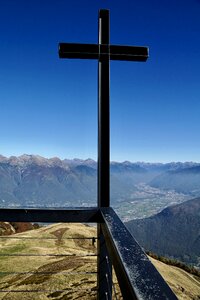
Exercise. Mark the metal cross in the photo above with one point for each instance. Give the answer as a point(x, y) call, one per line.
point(104, 52)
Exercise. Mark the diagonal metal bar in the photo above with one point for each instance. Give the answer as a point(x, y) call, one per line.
point(137, 276)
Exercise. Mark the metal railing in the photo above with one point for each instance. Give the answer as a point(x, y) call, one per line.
point(136, 275)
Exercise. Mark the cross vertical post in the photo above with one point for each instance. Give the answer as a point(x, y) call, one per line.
point(104, 266)
point(104, 110)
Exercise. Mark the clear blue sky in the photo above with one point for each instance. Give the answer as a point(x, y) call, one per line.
point(49, 106)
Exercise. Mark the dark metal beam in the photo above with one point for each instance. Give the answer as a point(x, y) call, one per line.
point(94, 51)
point(129, 53)
point(74, 50)
point(104, 113)
point(104, 286)
point(75, 215)
point(104, 269)
point(137, 276)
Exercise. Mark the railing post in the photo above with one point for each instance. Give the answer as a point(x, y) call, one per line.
point(104, 276)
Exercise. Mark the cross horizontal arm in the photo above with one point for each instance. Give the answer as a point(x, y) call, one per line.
point(130, 53)
point(69, 50)
point(95, 51)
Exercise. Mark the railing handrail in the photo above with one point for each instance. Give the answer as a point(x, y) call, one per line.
point(51, 215)
point(137, 276)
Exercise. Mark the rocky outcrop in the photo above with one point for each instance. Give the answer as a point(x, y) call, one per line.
point(7, 228)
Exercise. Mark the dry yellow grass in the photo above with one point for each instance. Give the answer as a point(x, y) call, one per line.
point(68, 281)
point(68, 271)
point(63, 267)
point(184, 285)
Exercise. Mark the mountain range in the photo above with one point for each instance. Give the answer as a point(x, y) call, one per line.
point(32, 180)
point(185, 180)
point(138, 190)
point(174, 232)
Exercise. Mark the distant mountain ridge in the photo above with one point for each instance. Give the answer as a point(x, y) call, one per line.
point(186, 180)
point(174, 232)
point(28, 179)
point(32, 180)
point(29, 158)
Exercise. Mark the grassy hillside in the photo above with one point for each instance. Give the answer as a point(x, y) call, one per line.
point(184, 285)
point(46, 269)
point(55, 259)
point(58, 260)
